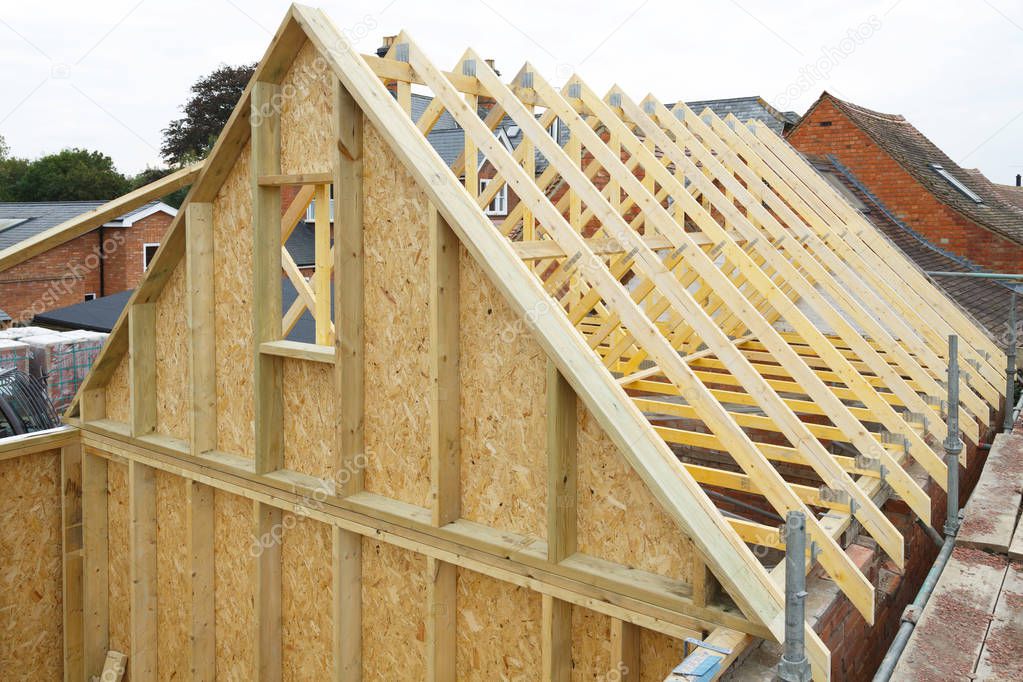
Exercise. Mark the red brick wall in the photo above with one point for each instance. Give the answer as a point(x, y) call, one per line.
point(62, 276)
point(902, 194)
point(124, 263)
point(54, 279)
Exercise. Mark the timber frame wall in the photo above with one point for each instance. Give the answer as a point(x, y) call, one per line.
point(471, 472)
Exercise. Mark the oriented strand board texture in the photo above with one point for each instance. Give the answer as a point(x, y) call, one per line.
point(306, 595)
point(309, 417)
point(504, 413)
point(233, 576)
point(591, 646)
point(658, 655)
point(172, 358)
point(172, 574)
point(119, 571)
point(397, 333)
point(393, 613)
point(118, 394)
point(306, 108)
point(30, 568)
point(619, 518)
point(232, 278)
point(498, 629)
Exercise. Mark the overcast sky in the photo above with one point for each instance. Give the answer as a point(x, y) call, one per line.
point(110, 74)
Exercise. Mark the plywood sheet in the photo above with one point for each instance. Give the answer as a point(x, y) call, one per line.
point(619, 518)
point(498, 629)
point(309, 417)
point(305, 599)
point(658, 655)
point(504, 414)
point(1002, 657)
point(119, 571)
point(591, 646)
point(991, 513)
point(396, 328)
point(173, 591)
point(947, 639)
point(234, 557)
point(30, 568)
point(393, 613)
point(118, 395)
point(232, 278)
point(306, 108)
point(172, 358)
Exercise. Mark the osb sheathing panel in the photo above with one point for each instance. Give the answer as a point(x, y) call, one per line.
point(591, 646)
point(306, 108)
point(393, 613)
point(306, 594)
point(172, 573)
point(619, 519)
point(118, 394)
point(233, 575)
point(658, 655)
point(503, 403)
point(172, 358)
point(232, 278)
point(309, 417)
point(396, 239)
point(119, 568)
point(30, 568)
point(498, 629)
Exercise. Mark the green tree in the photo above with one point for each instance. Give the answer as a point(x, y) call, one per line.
point(69, 175)
point(152, 175)
point(214, 97)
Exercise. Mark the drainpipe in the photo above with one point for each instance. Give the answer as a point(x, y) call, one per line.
point(953, 446)
point(793, 666)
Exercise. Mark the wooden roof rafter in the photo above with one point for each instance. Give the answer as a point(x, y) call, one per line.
point(617, 298)
point(634, 285)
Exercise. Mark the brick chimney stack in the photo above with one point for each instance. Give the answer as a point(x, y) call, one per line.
point(392, 86)
point(487, 103)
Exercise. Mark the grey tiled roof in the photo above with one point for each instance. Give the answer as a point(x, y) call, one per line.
point(4, 317)
point(746, 108)
point(914, 152)
point(448, 139)
point(34, 217)
point(987, 301)
point(101, 314)
point(301, 244)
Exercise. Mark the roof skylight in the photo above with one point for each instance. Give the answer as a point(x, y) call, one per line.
point(958, 185)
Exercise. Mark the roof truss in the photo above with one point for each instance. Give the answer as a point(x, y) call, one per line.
point(663, 250)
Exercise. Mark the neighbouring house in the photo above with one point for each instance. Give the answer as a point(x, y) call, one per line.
point(987, 301)
point(105, 260)
point(749, 108)
point(957, 209)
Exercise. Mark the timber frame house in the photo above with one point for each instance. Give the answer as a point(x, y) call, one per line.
point(505, 434)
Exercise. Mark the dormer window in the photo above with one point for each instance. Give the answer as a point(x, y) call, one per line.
point(952, 180)
point(310, 212)
point(498, 206)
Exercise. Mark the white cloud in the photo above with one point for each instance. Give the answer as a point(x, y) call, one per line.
point(951, 68)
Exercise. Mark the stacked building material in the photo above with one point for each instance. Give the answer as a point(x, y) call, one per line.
point(16, 333)
point(61, 361)
point(14, 354)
